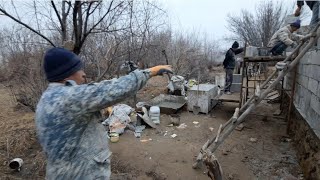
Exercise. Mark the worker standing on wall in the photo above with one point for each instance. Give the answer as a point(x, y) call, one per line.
point(68, 116)
point(314, 6)
point(229, 64)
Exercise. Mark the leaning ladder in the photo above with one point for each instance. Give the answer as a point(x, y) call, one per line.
point(207, 150)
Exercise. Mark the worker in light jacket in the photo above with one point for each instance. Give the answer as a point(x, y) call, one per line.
point(314, 6)
point(229, 64)
point(284, 38)
point(68, 116)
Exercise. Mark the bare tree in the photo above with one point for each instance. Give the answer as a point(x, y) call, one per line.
point(83, 18)
point(257, 28)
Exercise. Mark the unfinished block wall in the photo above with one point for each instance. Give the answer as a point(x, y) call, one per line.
point(307, 92)
point(305, 123)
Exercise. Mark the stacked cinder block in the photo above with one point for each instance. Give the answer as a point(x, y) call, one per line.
point(236, 83)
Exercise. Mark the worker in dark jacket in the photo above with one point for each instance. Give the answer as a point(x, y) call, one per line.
point(229, 64)
point(314, 6)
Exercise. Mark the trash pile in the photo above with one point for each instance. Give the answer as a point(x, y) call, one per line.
point(122, 116)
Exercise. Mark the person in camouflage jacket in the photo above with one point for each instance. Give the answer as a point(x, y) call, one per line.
point(68, 118)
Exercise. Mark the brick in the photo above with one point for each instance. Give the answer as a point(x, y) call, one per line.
point(313, 85)
point(315, 103)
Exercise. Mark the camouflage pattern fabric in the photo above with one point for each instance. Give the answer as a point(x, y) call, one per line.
point(69, 125)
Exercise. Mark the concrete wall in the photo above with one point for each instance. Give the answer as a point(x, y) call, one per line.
point(304, 126)
point(307, 94)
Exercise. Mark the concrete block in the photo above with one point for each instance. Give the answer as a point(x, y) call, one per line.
point(304, 81)
point(314, 58)
point(318, 91)
point(315, 103)
point(300, 68)
point(305, 58)
point(305, 98)
point(220, 79)
point(237, 78)
point(296, 101)
point(314, 72)
point(313, 85)
point(305, 70)
point(202, 97)
point(235, 87)
point(313, 119)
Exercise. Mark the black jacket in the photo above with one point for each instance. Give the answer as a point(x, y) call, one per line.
point(309, 3)
point(230, 60)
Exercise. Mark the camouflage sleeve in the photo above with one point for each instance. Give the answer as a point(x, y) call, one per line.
point(96, 96)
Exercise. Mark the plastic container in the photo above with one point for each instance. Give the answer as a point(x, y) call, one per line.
point(154, 114)
point(114, 137)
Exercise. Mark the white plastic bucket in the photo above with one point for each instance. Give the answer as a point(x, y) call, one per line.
point(154, 114)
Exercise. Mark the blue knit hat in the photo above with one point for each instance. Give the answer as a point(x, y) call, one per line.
point(60, 63)
point(296, 23)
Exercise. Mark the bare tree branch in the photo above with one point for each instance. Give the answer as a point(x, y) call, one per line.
point(25, 25)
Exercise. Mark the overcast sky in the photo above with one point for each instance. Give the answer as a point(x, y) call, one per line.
point(202, 16)
point(208, 16)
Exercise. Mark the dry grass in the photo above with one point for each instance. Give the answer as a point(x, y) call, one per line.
point(18, 139)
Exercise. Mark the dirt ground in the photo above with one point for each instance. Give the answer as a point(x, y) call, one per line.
point(272, 156)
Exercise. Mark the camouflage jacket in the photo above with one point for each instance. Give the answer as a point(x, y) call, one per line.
point(69, 129)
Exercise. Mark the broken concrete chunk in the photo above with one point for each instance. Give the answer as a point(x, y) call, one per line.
point(173, 135)
point(253, 140)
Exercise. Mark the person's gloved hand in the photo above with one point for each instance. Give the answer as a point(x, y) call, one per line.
point(160, 70)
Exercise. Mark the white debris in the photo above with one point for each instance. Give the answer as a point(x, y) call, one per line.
point(253, 140)
point(182, 126)
point(173, 135)
point(195, 122)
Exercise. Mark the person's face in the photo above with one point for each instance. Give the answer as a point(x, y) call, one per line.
point(79, 77)
point(294, 29)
